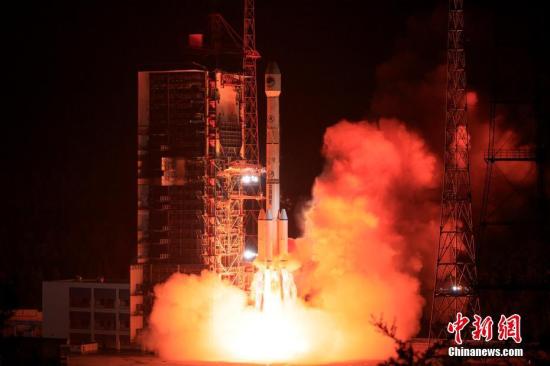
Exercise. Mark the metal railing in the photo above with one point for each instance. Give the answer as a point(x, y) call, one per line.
point(526, 154)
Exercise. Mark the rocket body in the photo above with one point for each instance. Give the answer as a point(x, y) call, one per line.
point(273, 222)
point(273, 283)
point(272, 91)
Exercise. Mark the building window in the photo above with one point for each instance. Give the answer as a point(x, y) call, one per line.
point(124, 298)
point(124, 341)
point(79, 338)
point(80, 297)
point(79, 320)
point(106, 341)
point(124, 321)
point(105, 321)
point(104, 298)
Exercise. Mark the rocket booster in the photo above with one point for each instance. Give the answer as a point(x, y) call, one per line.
point(272, 237)
point(273, 222)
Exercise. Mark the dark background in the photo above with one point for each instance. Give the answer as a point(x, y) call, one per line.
point(69, 146)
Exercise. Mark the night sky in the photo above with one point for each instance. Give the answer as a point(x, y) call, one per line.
point(69, 146)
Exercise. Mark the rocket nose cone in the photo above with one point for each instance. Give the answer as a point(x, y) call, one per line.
point(268, 215)
point(273, 68)
point(282, 215)
point(261, 216)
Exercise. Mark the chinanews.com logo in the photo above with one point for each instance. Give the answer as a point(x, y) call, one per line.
point(508, 328)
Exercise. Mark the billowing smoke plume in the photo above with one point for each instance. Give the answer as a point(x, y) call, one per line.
point(365, 230)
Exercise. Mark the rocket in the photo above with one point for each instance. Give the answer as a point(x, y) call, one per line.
point(273, 221)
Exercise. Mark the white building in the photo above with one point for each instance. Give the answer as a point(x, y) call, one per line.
point(84, 311)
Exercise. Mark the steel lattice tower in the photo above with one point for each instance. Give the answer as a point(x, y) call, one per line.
point(456, 274)
point(250, 122)
point(250, 92)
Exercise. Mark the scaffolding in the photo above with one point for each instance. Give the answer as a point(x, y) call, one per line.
point(225, 194)
point(171, 123)
point(197, 140)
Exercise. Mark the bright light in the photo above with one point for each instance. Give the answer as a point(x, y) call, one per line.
point(249, 254)
point(248, 179)
point(456, 288)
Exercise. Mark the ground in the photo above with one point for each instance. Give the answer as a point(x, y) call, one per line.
point(147, 360)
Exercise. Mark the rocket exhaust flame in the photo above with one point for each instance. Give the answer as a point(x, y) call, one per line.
point(360, 257)
point(273, 289)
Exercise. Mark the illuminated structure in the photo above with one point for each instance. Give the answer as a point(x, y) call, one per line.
point(250, 89)
point(189, 130)
point(250, 99)
point(456, 273)
point(273, 284)
point(198, 168)
point(272, 223)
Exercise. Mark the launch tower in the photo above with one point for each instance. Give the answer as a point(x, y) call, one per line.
point(456, 273)
point(198, 165)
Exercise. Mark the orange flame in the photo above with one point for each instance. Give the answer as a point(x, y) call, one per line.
point(364, 232)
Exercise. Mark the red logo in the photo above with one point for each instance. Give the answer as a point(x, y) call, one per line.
point(482, 328)
point(457, 326)
point(508, 328)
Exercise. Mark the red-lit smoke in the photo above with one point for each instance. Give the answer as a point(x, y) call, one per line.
point(365, 230)
point(360, 253)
